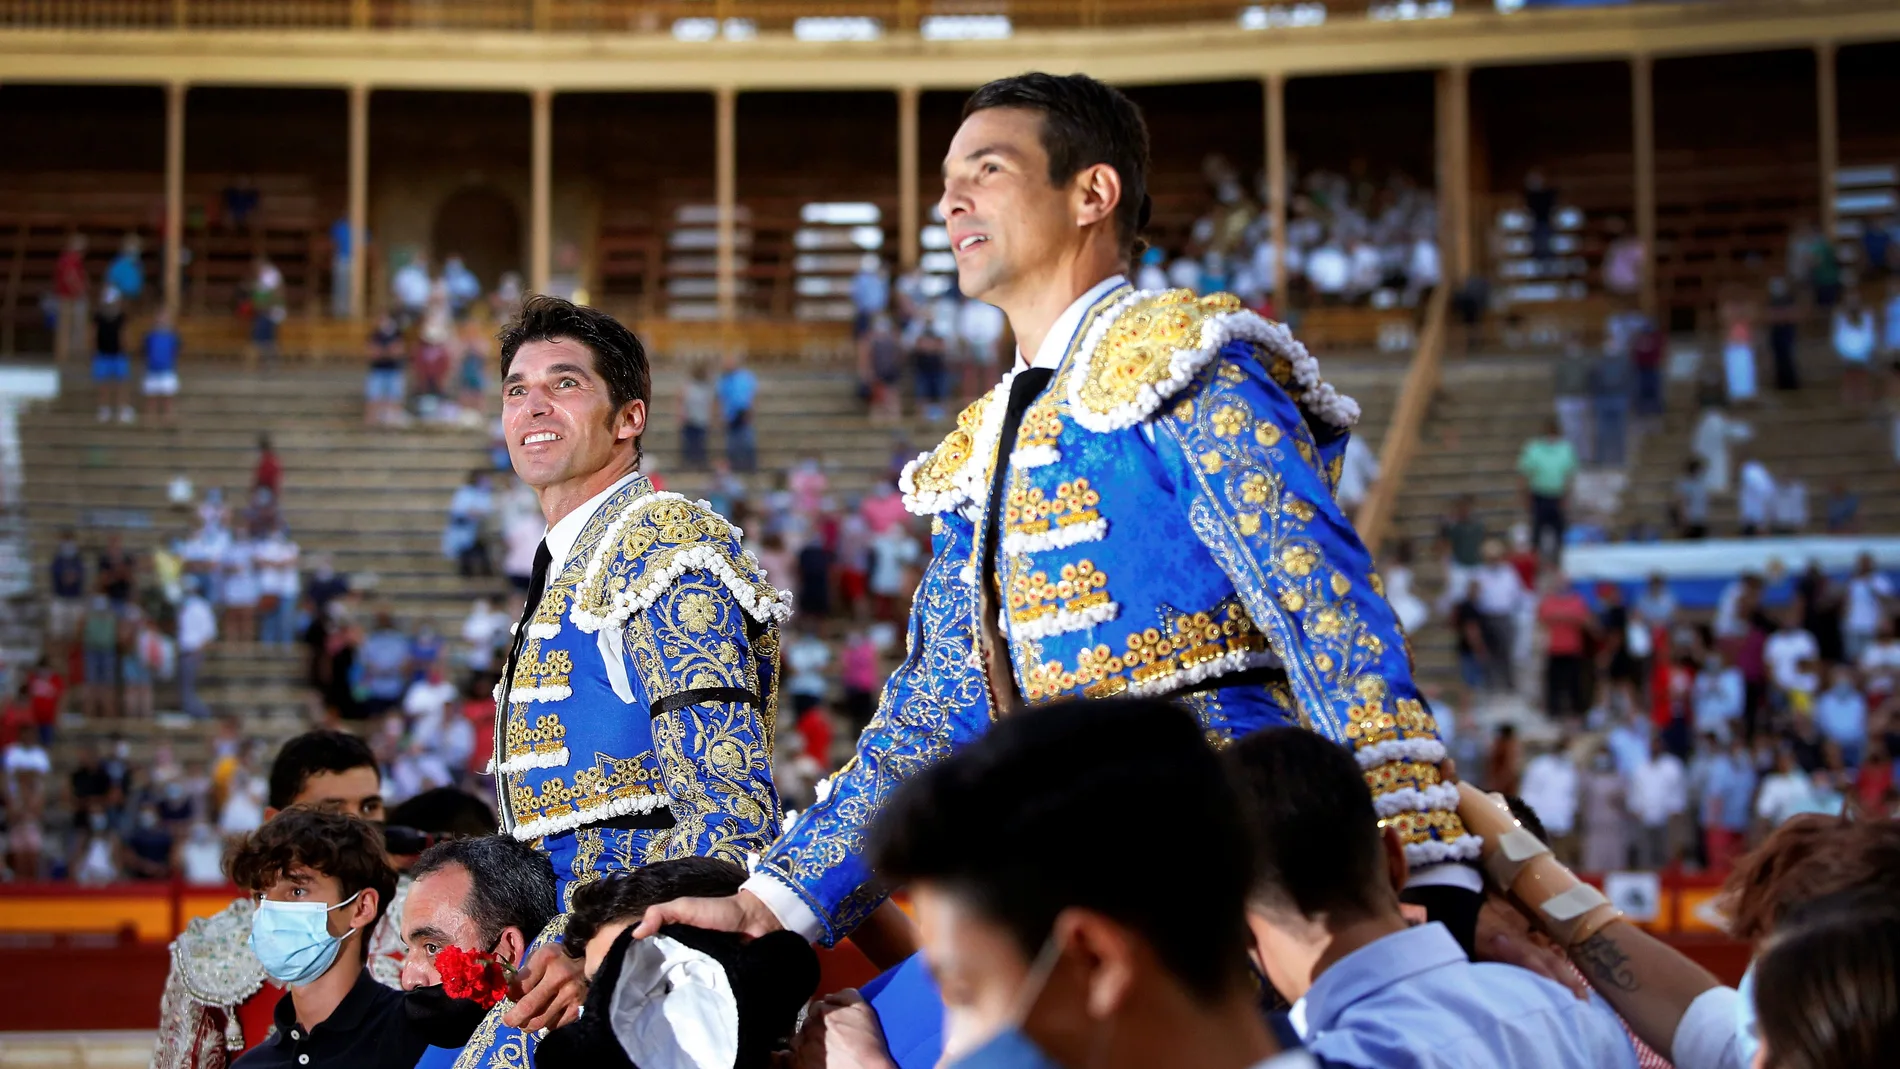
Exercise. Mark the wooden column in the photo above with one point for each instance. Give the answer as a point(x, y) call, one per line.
point(1454, 172)
point(1825, 86)
point(359, 200)
point(909, 212)
point(1277, 184)
point(540, 193)
point(1643, 125)
point(174, 192)
point(726, 189)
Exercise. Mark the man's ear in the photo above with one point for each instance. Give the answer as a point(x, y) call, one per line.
point(363, 910)
point(1109, 954)
point(1097, 192)
point(632, 421)
point(512, 947)
point(1397, 869)
point(270, 813)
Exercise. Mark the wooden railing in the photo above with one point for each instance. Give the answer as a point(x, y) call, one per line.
point(1408, 424)
point(630, 16)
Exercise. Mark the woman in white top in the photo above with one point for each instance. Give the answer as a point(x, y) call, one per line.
point(1855, 337)
point(241, 593)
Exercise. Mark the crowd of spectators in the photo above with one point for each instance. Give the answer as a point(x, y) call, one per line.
point(431, 354)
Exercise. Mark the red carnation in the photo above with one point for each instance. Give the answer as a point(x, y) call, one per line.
point(474, 976)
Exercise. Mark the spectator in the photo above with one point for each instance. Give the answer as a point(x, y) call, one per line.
point(1786, 792)
point(1605, 822)
point(197, 629)
point(880, 366)
point(858, 673)
point(1790, 654)
point(1358, 474)
point(27, 767)
point(1618, 661)
point(147, 852)
point(142, 657)
point(1571, 387)
point(278, 586)
point(1658, 604)
point(463, 538)
point(201, 856)
point(45, 689)
point(1869, 592)
point(1329, 933)
point(463, 287)
point(1738, 349)
point(161, 367)
point(1474, 653)
point(1611, 384)
point(1540, 205)
point(1727, 811)
point(410, 286)
point(1842, 509)
point(1718, 697)
point(71, 285)
point(68, 606)
point(1624, 259)
point(1551, 787)
point(1714, 433)
point(1879, 661)
point(111, 367)
point(433, 362)
point(308, 856)
point(126, 274)
point(806, 659)
point(737, 389)
point(980, 330)
point(478, 710)
point(1840, 712)
point(1548, 464)
point(1503, 764)
point(892, 554)
point(240, 591)
point(696, 413)
point(814, 576)
point(484, 635)
point(267, 308)
point(1890, 343)
point(930, 371)
point(1411, 610)
point(1784, 317)
point(1500, 595)
point(384, 388)
point(1856, 336)
point(487, 894)
point(385, 663)
point(1567, 623)
point(1824, 988)
point(1658, 798)
point(1754, 498)
point(471, 375)
point(100, 641)
point(870, 294)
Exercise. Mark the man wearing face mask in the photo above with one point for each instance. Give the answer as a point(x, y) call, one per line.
point(489, 895)
point(217, 1001)
point(1048, 955)
point(320, 880)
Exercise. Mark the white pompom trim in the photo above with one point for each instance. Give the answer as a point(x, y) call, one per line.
point(1416, 800)
point(1017, 543)
point(543, 631)
point(1063, 621)
point(1317, 396)
point(1237, 661)
point(529, 761)
point(966, 483)
point(532, 695)
point(1435, 852)
point(1035, 456)
point(619, 807)
point(967, 574)
point(643, 593)
point(1429, 751)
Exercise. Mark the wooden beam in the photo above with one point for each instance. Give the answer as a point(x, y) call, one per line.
point(359, 200)
point(1826, 87)
point(174, 193)
point(1643, 126)
point(541, 193)
point(1454, 171)
point(909, 208)
point(726, 189)
point(1277, 184)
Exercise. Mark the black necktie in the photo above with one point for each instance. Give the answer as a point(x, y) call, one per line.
point(537, 586)
point(1023, 391)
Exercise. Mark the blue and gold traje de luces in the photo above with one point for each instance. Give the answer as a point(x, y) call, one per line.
point(1168, 521)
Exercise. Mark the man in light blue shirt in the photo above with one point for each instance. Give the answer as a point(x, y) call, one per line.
point(1369, 989)
point(1840, 712)
point(736, 388)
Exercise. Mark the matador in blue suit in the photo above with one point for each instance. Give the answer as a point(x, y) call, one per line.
point(1144, 506)
point(634, 721)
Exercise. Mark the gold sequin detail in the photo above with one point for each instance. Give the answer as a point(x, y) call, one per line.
point(1138, 350)
point(1188, 640)
point(1076, 587)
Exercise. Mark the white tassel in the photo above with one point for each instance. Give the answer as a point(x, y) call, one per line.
point(1017, 543)
point(1436, 852)
point(1415, 800)
point(1035, 456)
point(1425, 750)
point(619, 807)
point(529, 761)
point(1062, 621)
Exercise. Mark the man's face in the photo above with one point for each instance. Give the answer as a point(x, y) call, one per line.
point(977, 964)
point(556, 411)
point(305, 884)
point(601, 943)
point(1007, 222)
point(357, 791)
point(435, 916)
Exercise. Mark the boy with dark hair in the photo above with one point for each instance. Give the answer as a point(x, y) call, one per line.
point(603, 909)
point(1043, 947)
point(321, 881)
point(215, 1003)
point(1328, 933)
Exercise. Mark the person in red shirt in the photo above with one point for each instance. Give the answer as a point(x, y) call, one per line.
point(270, 471)
point(45, 689)
point(478, 704)
point(70, 286)
point(1567, 622)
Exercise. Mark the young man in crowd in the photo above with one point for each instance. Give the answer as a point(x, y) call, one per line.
point(1044, 949)
point(1366, 986)
point(321, 880)
point(490, 894)
point(215, 1002)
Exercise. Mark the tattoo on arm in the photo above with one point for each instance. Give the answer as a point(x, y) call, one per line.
point(1605, 962)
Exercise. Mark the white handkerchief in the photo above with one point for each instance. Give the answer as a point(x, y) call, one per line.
point(674, 1008)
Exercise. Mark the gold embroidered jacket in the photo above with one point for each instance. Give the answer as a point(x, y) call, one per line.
point(1168, 522)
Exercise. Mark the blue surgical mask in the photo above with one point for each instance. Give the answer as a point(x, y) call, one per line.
point(1747, 1038)
point(1011, 1048)
point(293, 940)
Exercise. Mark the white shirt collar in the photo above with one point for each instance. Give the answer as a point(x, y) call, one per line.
point(561, 537)
point(1055, 344)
